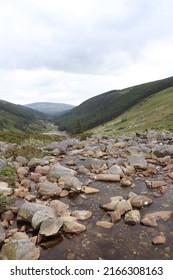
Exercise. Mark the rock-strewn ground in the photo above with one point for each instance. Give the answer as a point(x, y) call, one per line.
point(102, 191)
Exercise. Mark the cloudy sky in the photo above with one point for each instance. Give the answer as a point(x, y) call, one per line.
point(70, 50)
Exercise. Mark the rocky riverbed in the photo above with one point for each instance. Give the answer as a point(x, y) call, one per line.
point(106, 197)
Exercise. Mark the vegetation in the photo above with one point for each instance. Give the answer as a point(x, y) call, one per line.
point(107, 106)
point(4, 202)
point(8, 174)
point(20, 118)
point(154, 112)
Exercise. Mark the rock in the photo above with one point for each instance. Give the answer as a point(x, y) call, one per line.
point(7, 215)
point(71, 183)
point(115, 169)
point(19, 236)
point(115, 216)
point(30, 197)
point(132, 217)
point(3, 163)
point(81, 214)
point(59, 207)
point(5, 189)
point(58, 146)
point(165, 160)
point(28, 209)
point(160, 239)
point(104, 224)
point(149, 221)
point(126, 183)
point(123, 206)
point(164, 215)
point(113, 204)
point(137, 161)
point(170, 175)
point(20, 250)
point(2, 234)
point(155, 184)
point(58, 171)
point(73, 227)
point(49, 189)
point(107, 177)
point(40, 216)
point(163, 189)
point(89, 190)
point(50, 226)
point(163, 151)
point(34, 162)
point(94, 163)
point(22, 160)
point(140, 201)
point(43, 170)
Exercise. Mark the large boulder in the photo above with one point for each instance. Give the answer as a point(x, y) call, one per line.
point(71, 183)
point(41, 216)
point(50, 226)
point(137, 161)
point(57, 171)
point(28, 209)
point(5, 189)
point(20, 250)
point(162, 151)
point(49, 189)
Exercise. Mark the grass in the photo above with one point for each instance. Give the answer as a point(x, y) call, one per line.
point(155, 112)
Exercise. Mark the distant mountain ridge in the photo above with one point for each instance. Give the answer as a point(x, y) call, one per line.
point(109, 105)
point(50, 108)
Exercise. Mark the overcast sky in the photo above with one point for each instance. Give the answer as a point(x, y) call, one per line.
point(70, 50)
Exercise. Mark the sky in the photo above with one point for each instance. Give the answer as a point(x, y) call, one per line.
point(68, 51)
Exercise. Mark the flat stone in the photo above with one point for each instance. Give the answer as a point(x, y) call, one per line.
point(57, 171)
point(49, 189)
point(59, 207)
point(73, 227)
point(160, 239)
point(149, 221)
point(50, 226)
point(40, 216)
point(107, 177)
point(104, 224)
point(81, 214)
point(140, 201)
point(20, 250)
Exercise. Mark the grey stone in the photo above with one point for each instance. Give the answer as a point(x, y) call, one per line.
point(41, 216)
point(50, 226)
point(58, 171)
point(20, 250)
point(137, 161)
point(2, 234)
point(49, 189)
point(132, 217)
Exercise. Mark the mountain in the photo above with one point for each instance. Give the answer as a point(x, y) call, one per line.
point(107, 106)
point(18, 117)
point(154, 112)
point(50, 108)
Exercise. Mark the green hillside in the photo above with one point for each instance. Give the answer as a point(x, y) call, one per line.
point(107, 106)
point(17, 117)
point(154, 112)
point(50, 108)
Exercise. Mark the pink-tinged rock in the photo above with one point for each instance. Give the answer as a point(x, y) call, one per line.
point(155, 184)
point(164, 215)
point(73, 227)
point(163, 189)
point(43, 170)
point(140, 201)
point(89, 190)
point(35, 177)
point(8, 215)
point(170, 175)
point(59, 207)
point(160, 239)
point(22, 172)
point(104, 224)
point(149, 221)
point(107, 177)
point(81, 214)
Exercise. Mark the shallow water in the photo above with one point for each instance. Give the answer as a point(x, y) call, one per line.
point(122, 241)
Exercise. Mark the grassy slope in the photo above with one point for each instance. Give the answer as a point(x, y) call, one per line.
point(109, 105)
point(18, 117)
point(154, 112)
